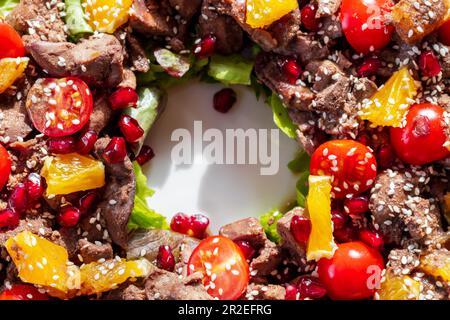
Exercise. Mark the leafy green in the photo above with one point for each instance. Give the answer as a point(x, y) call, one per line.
point(76, 23)
point(302, 189)
point(300, 163)
point(142, 216)
point(269, 222)
point(233, 69)
point(281, 116)
point(6, 6)
point(174, 64)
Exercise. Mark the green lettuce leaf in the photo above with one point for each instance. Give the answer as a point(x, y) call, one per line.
point(300, 163)
point(142, 216)
point(302, 189)
point(233, 69)
point(75, 20)
point(281, 116)
point(269, 222)
point(6, 6)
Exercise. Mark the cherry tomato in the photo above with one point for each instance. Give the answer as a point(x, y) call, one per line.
point(353, 273)
point(444, 33)
point(223, 265)
point(351, 165)
point(23, 292)
point(59, 107)
point(12, 45)
point(423, 137)
point(363, 23)
point(5, 166)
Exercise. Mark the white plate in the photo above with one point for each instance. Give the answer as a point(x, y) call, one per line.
point(225, 193)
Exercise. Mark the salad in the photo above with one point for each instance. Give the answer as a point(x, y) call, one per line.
point(361, 85)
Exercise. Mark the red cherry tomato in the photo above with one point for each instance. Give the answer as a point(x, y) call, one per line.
point(423, 137)
point(223, 265)
point(5, 166)
point(351, 165)
point(23, 292)
point(59, 107)
point(353, 273)
point(11, 42)
point(444, 33)
point(363, 23)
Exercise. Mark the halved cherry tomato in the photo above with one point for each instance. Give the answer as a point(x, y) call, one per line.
point(364, 24)
point(353, 273)
point(59, 107)
point(444, 33)
point(423, 137)
point(223, 265)
point(12, 45)
point(23, 292)
point(5, 166)
point(351, 165)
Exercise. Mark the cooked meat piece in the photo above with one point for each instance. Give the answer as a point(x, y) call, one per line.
point(267, 259)
point(67, 238)
point(129, 80)
point(14, 122)
point(117, 196)
point(38, 226)
point(97, 60)
point(127, 291)
point(39, 19)
point(331, 28)
point(150, 17)
point(229, 35)
point(431, 289)
point(92, 252)
point(186, 8)
point(402, 261)
point(163, 285)
point(265, 292)
point(308, 133)
point(139, 60)
point(327, 7)
point(101, 114)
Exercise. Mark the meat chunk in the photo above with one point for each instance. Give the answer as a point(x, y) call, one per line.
point(147, 16)
point(138, 58)
point(163, 285)
point(101, 113)
point(92, 252)
point(129, 80)
point(402, 261)
point(127, 292)
point(327, 7)
point(265, 292)
point(186, 8)
point(38, 226)
point(308, 134)
point(97, 60)
point(14, 122)
point(39, 20)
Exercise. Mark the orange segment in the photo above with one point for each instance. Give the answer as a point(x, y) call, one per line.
point(262, 13)
point(390, 104)
point(399, 288)
point(321, 242)
point(106, 15)
point(10, 70)
point(437, 265)
point(99, 277)
point(72, 172)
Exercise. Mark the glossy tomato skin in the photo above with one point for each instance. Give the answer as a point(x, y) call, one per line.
point(351, 165)
point(64, 111)
point(421, 140)
point(5, 166)
point(363, 23)
point(353, 273)
point(225, 269)
point(11, 42)
point(444, 33)
point(23, 292)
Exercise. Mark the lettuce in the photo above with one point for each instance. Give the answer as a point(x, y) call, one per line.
point(269, 223)
point(75, 20)
point(6, 6)
point(142, 216)
point(281, 116)
point(233, 69)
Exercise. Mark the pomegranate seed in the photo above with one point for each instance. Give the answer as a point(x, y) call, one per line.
point(371, 238)
point(356, 205)
point(369, 67)
point(18, 199)
point(115, 151)
point(199, 223)
point(206, 47)
point(301, 228)
point(308, 17)
point(291, 292)
point(145, 155)
point(364, 139)
point(291, 70)
point(68, 216)
point(310, 288)
point(34, 187)
point(165, 259)
point(224, 100)
point(246, 248)
point(180, 223)
point(61, 145)
point(345, 234)
point(429, 65)
point(130, 128)
point(9, 219)
point(86, 202)
point(123, 98)
point(385, 156)
point(338, 218)
point(86, 142)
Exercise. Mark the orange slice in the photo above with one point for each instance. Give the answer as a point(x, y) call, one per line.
point(262, 13)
